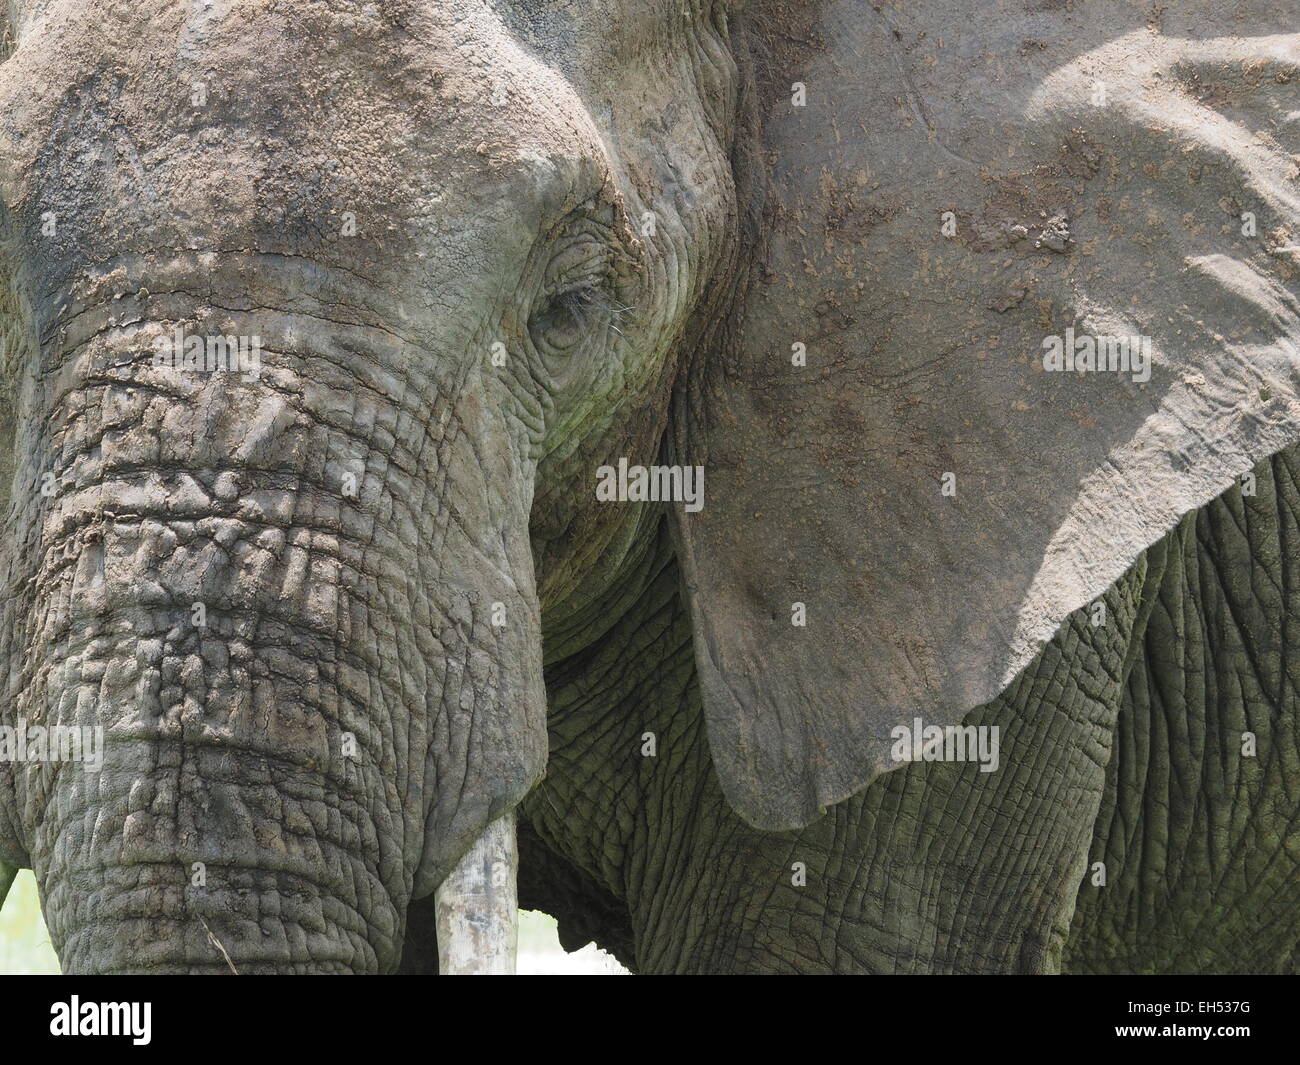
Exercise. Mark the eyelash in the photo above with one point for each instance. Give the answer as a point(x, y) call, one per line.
point(578, 305)
point(584, 301)
point(577, 309)
point(564, 321)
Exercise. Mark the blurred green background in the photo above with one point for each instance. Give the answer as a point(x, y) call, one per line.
point(25, 945)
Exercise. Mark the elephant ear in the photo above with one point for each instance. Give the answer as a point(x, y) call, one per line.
point(937, 194)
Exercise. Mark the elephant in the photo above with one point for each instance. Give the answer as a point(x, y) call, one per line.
point(819, 479)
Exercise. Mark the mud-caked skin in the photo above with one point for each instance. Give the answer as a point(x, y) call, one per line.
point(337, 612)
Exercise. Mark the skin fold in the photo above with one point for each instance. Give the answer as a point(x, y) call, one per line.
point(336, 615)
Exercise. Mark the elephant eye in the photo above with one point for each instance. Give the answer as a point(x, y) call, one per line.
point(568, 317)
point(577, 304)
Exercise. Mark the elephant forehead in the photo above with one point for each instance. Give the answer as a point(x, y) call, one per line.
point(247, 126)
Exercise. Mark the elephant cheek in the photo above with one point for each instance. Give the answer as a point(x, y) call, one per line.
point(488, 712)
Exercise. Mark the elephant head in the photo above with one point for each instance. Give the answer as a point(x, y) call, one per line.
point(847, 259)
point(302, 594)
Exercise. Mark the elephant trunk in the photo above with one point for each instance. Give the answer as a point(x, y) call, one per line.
point(297, 597)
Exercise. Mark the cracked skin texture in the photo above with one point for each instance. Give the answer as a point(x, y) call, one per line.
point(1202, 846)
point(1119, 744)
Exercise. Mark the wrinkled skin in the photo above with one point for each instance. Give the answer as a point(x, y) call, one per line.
point(580, 234)
point(936, 867)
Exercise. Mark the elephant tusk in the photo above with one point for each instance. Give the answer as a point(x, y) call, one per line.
point(477, 907)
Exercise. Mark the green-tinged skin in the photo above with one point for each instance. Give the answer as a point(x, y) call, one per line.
point(1201, 844)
